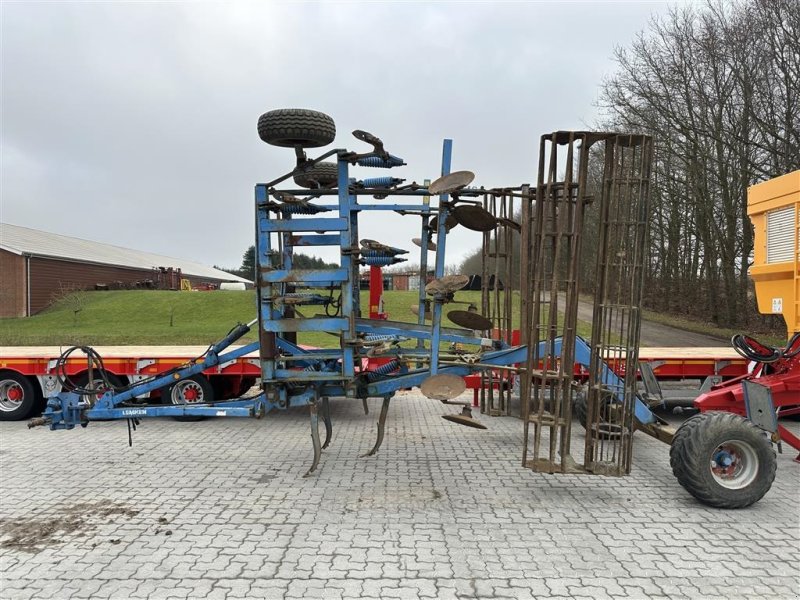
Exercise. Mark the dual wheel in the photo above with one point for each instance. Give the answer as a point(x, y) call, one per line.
point(19, 397)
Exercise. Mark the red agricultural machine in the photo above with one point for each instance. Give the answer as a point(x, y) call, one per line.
point(735, 415)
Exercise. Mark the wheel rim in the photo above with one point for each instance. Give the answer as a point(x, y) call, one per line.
point(11, 395)
point(734, 464)
point(187, 392)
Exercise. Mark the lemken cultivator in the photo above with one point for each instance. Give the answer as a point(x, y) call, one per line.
point(586, 180)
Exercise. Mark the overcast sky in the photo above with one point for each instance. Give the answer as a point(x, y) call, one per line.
point(135, 123)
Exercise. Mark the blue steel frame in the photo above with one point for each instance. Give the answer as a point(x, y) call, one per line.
point(317, 373)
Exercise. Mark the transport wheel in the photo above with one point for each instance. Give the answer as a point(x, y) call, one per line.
point(580, 410)
point(18, 397)
point(723, 460)
point(296, 128)
point(321, 175)
point(193, 390)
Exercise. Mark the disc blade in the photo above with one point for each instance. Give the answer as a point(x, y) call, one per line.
point(464, 420)
point(453, 182)
point(443, 387)
point(449, 223)
point(469, 320)
point(509, 223)
point(447, 284)
point(418, 242)
point(474, 217)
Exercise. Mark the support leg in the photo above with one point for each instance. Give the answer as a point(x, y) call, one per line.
point(381, 427)
point(314, 438)
point(326, 418)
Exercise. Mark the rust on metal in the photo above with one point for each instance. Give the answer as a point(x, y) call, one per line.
point(469, 320)
point(453, 182)
point(443, 386)
point(447, 284)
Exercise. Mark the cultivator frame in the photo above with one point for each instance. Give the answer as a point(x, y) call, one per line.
point(547, 220)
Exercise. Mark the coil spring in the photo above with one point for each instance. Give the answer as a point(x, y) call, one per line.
point(379, 338)
point(300, 209)
point(380, 261)
point(377, 161)
point(381, 182)
point(383, 370)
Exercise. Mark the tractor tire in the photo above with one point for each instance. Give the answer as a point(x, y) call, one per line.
point(723, 460)
point(321, 175)
point(296, 128)
point(192, 390)
point(19, 398)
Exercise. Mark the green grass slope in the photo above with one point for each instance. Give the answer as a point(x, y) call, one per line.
point(151, 317)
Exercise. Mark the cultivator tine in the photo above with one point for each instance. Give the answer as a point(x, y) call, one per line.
point(326, 418)
point(381, 428)
point(365, 404)
point(314, 438)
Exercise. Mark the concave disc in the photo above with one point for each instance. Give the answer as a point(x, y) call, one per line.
point(447, 184)
point(474, 217)
point(469, 320)
point(443, 387)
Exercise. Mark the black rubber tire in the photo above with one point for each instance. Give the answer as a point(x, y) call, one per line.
point(694, 446)
point(580, 410)
point(685, 430)
point(18, 407)
point(296, 127)
point(321, 175)
point(171, 393)
point(82, 380)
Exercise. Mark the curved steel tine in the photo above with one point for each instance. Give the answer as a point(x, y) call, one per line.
point(366, 406)
point(314, 438)
point(381, 428)
point(326, 418)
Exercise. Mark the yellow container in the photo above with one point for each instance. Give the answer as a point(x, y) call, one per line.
point(774, 209)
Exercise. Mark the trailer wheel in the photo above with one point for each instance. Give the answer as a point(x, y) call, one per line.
point(321, 175)
point(296, 127)
point(18, 397)
point(99, 381)
point(723, 460)
point(192, 390)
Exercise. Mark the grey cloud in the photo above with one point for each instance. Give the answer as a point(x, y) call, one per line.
point(134, 123)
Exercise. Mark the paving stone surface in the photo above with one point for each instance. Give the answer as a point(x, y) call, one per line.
point(220, 509)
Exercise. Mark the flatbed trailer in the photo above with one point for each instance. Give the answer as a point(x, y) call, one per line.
point(132, 364)
point(26, 370)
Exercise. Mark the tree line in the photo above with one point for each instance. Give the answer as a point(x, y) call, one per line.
point(718, 88)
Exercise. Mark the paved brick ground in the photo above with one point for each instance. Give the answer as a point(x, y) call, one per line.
point(440, 512)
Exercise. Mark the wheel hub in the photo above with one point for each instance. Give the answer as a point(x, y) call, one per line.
point(11, 395)
point(734, 464)
point(191, 394)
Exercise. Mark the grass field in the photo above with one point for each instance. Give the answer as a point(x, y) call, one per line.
point(143, 317)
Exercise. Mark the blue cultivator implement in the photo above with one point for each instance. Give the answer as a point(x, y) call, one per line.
point(323, 209)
